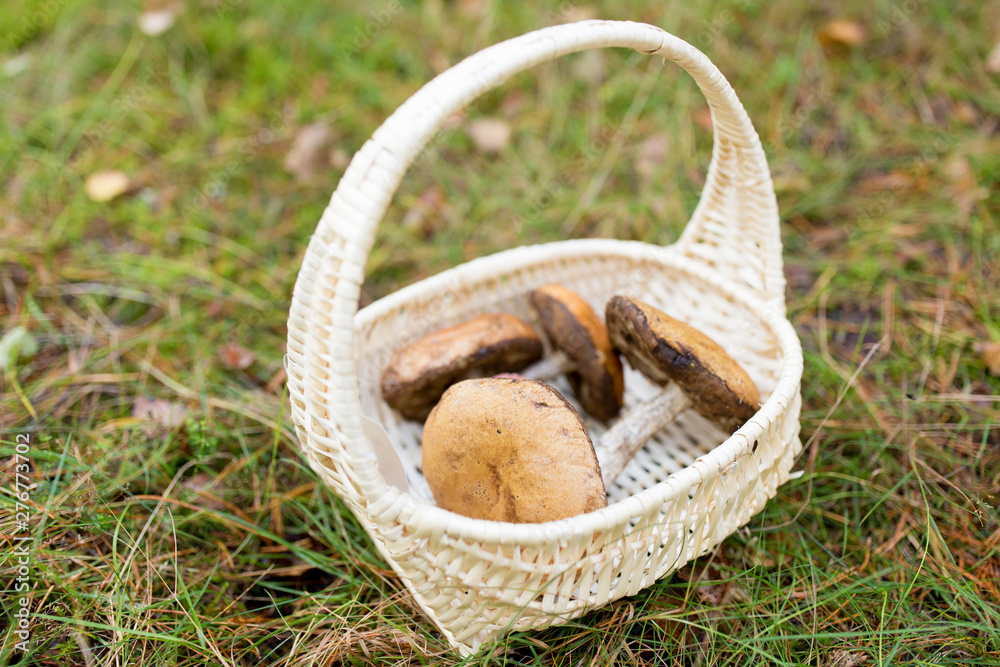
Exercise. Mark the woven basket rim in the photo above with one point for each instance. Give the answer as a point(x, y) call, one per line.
point(619, 513)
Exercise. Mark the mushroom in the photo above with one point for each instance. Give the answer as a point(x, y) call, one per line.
point(512, 450)
point(665, 349)
point(418, 374)
point(590, 362)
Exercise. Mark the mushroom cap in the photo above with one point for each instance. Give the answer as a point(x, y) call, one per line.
point(574, 327)
point(510, 450)
point(664, 349)
point(419, 373)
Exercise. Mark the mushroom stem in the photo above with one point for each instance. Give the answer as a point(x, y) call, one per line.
point(549, 367)
point(634, 429)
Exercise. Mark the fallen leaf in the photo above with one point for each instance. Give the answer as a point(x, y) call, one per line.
point(658, 204)
point(966, 113)
point(578, 13)
point(106, 185)
point(339, 159)
point(159, 411)
point(893, 180)
point(842, 658)
point(16, 343)
point(651, 154)
point(703, 118)
point(964, 188)
point(590, 67)
point(319, 87)
point(473, 8)
point(309, 153)
point(15, 272)
point(709, 583)
point(824, 237)
point(993, 60)
point(438, 60)
point(454, 121)
point(276, 381)
point(236, 357)
point(429, 207)
point(991, 357)
point(696, 175)
point(155, 22)
point(789, 178)
point(512, 104)
point(800, 278)
point(767, 560)
point(841, 33)
point(216, 307)
point(490, 135)
point(201, 483)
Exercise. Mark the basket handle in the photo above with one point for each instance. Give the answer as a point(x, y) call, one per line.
point(734, 229)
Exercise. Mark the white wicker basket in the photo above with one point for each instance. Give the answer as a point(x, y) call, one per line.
point(681, 496)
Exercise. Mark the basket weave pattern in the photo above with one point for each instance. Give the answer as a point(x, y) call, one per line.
point(683, 494)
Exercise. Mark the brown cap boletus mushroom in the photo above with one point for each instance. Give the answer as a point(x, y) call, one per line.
point(667, 350)
point(510, 450)
point(418, 374)
point(592, 366)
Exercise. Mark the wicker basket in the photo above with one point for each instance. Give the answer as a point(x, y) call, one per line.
point(681, 496)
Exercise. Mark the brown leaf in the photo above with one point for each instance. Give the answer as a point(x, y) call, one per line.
point(438, 60)
point(364, 299)
point(711, 585)
point(578, 13)
point(215, 308)
point(490, 135)
point(430, 206)
point(339, 159)
point(236, 357)
point(765, 559)
point(454, 121)
point(893, 180)
point(966, 113)
point(201, 484)
point(791, 182)
point(993, 60)
point(651, 154)
point(841, 33)
point(276, 381)
point(309, 153)
point(159, 411)
point(991, 357)
point(512, 104)
point(200, 481)
point(964, 188)
point(473, 8)
point(590, 67)
point(104, 186)
point(842, 658)
point(703, 118)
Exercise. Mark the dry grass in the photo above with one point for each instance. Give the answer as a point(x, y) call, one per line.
point(173, 521)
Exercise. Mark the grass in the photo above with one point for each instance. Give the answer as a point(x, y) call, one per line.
point(173, 521)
